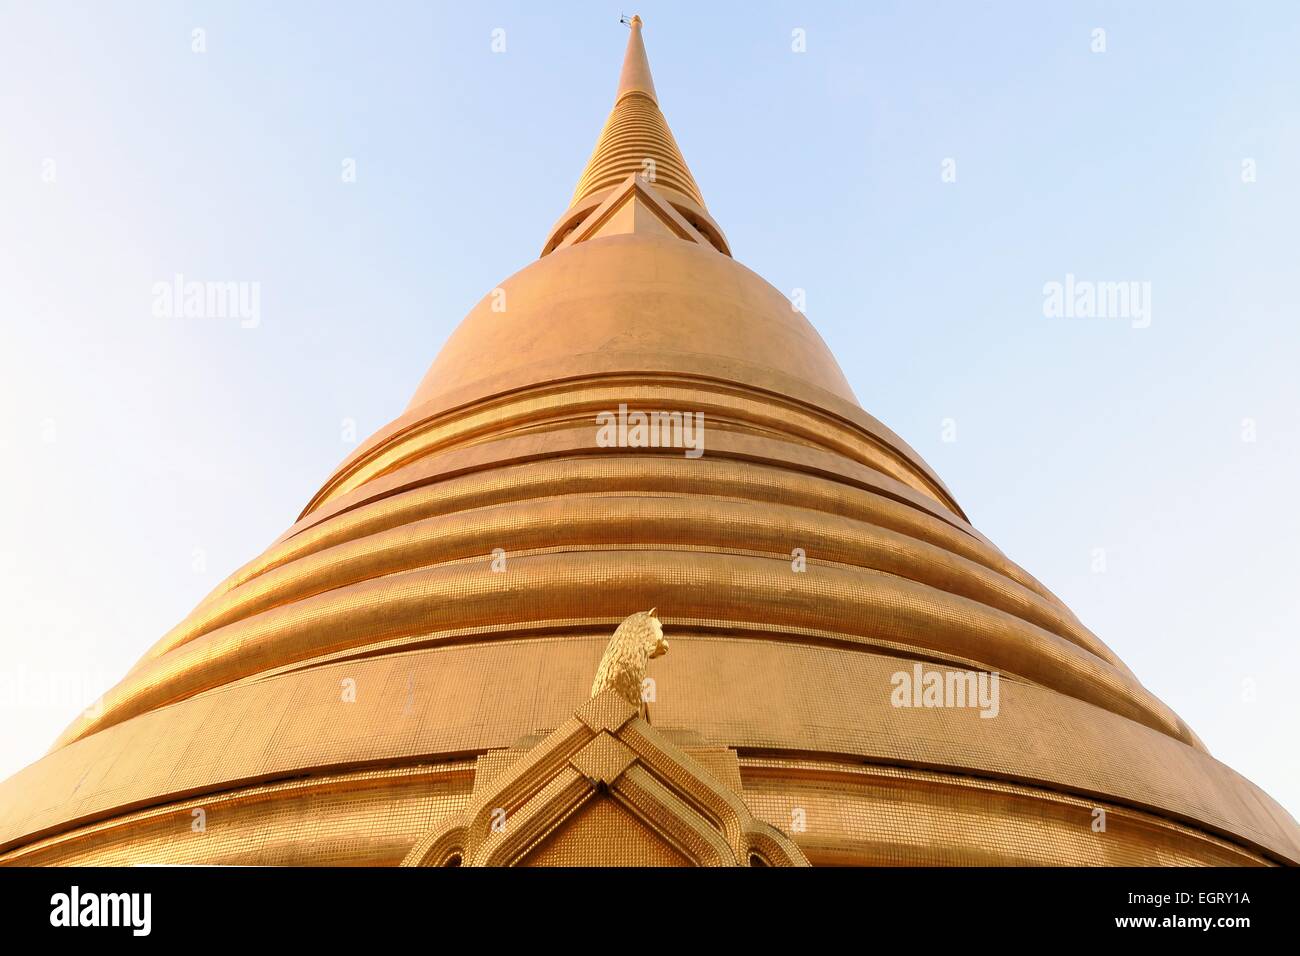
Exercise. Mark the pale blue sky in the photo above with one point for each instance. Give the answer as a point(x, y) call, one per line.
point(145, 458)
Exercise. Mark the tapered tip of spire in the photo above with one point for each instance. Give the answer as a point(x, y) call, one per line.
point(635, 77)
point(636, 140)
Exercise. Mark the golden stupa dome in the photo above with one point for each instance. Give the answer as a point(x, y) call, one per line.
point(633, 302)
point(416, 653)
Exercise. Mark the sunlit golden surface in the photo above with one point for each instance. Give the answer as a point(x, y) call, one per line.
point(422, 641)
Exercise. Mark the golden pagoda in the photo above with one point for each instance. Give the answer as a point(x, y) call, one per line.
point(634, 580)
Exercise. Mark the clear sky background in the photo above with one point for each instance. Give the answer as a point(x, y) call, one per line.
point(144, 459)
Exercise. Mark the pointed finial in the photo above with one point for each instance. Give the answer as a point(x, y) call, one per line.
point(635, 77)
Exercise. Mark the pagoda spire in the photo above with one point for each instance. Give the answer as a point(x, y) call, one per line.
point(636, 137)
point(636, 77)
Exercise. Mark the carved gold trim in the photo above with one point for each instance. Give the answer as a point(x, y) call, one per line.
point(605, 751)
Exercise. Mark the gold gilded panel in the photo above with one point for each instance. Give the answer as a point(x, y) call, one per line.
point(756, 696)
